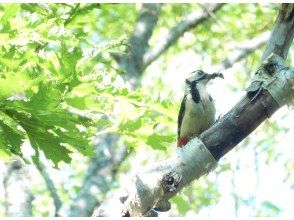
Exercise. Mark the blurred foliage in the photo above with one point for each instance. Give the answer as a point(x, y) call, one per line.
point(55, 94)
point(59, 86)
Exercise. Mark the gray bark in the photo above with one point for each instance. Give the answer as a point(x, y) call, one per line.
point(190, 21)
point(132, 63)
point(165, 179)
point(244, 50)
point(272, 87)
point(282, 34)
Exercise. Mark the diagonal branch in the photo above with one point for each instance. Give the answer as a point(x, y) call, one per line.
point(98, 178)
point(164, 179)
point(190, 21)
point(282, 34)
point(244, 50)
point(50, 186)
point(272, 88)
point(132, 63)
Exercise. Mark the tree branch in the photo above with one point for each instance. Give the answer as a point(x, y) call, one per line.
point(244, 50)
point(50, 186)
point(282, 34)
point(103, 167)
point(132, 63)
point(190, 21)
point(98, 178)
point(272, 88)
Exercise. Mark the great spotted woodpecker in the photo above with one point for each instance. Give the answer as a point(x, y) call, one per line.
point(197, 111)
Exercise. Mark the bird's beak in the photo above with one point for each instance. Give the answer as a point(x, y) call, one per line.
point(214, 75)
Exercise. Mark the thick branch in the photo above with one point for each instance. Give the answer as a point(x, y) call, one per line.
point(282, 34)
point(272, 87)
point(132, 63)
point(189, 22)
point(50, 186)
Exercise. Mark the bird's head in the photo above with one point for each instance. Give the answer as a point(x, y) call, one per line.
point(200, 76)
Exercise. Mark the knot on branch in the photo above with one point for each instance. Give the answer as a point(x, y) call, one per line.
point(274, 77)
point(170, 182)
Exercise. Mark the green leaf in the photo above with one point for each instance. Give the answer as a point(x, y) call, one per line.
point(47, 97)
point(13, 139)
point(11, 84)
point(130, 126)
point(10, 10)
point(158, 141)
point(182, 205)
point(13, 65)
point(49, 144)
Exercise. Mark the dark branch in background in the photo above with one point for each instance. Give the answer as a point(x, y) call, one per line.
point(18, 194)
point(282, 34)
point(99, 176)
point(103, 167)
point(50, 186)
point(244, 50)
point(190, 21)
point(143, 32)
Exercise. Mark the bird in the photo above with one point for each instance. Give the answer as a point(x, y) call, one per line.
point(197, 111)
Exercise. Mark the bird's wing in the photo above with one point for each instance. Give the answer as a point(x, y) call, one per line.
point(181, 114)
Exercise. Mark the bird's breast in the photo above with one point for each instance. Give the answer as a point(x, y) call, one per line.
point(198, 117)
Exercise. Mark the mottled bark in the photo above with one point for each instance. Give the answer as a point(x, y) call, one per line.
point(99, 176)
point(132, 63)
point(282, 34)
point(238, 123)
point(163, 180)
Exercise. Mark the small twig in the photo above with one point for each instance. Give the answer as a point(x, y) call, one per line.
point(67, 21)
point(72, 14)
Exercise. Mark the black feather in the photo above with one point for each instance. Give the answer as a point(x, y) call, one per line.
point(181, 114)
point(194, 92)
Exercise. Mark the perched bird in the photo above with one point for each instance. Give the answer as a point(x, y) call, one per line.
point(197, 111)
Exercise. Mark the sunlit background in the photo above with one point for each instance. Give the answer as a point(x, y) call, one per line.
point(254, 179)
